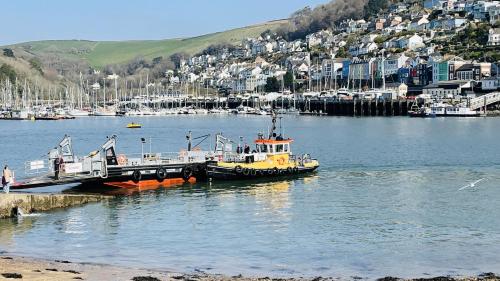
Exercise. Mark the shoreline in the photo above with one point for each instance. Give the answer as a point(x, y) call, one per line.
point(14, 267)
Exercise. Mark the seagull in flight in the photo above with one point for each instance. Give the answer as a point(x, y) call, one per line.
point(471, 185)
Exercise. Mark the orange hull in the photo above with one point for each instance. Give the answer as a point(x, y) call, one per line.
point(129, 187)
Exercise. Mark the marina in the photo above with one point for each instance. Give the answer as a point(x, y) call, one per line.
point(262, 105)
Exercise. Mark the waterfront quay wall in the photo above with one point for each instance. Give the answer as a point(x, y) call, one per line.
point(28, 203)
point(356, 107)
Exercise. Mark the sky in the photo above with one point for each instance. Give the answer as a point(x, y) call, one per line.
point(30, 20)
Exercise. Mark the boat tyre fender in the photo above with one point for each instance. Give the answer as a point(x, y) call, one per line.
point(253, 172)
point(246, 172)
point(289, 170)
point(161, 174)
point(238, 170)
point(187, 173)
point(270, 171)
point(296, 170)
point(276, 171)
point(136, 176)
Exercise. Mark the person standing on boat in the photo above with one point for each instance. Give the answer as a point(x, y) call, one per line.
point(7, 179)
point(57, 167)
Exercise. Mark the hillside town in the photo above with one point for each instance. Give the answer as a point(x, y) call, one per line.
point(410, 49)
point(430, 51)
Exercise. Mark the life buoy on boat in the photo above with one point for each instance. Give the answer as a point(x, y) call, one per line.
point(281, 161)
point(187, 173)
point(161, 174)
point(122, 160)
point(238, 169)
point(136, 176)
point(246, 172)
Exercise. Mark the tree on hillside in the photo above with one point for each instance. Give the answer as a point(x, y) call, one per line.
point(177, 57)
point(7, 72)
point(8, 53)
point(216, 49)
point(309, 20)
point(288, 80)
point(272, 85)
point(36, 64)
point(373, 7)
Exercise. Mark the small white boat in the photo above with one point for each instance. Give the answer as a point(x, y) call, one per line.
point(78, 113)
point(104, 112)
point(201, 111)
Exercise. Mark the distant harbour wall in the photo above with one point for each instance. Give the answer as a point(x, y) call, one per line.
point(29, 203)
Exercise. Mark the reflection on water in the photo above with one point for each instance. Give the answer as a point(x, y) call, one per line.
point(384, 202)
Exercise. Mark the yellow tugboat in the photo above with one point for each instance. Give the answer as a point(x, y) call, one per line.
point(271, 157)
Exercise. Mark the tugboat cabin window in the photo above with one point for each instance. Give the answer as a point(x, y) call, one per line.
point(262, 148)
point(279, 148)
point(287, 147)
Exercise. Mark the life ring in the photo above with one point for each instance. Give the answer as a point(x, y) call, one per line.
point(122, 160)
point(238, 169)
point(136, 176)
point(161, 174)
point(281, 161)
point(246, 172)
point(187, 173)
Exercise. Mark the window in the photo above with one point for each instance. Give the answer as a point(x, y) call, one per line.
point(271, 149)
point(287, 147)
point(279, 148)
point(262, 148)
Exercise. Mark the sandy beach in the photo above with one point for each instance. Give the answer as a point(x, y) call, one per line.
point(21, 268)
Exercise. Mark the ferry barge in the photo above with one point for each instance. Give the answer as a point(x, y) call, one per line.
point(105, 167)
point(272, 157)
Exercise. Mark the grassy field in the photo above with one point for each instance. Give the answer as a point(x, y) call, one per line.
point(99, 54)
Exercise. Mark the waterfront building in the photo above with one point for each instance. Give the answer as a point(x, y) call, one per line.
point(446, 89)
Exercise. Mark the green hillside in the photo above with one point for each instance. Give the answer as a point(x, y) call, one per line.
point(99, 54)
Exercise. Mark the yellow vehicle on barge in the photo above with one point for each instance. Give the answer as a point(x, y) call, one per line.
point(271, 157)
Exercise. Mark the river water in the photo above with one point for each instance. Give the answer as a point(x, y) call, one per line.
point(385, 201)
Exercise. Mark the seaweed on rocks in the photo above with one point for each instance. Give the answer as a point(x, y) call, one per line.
point(12, 275)
point(145, 278)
